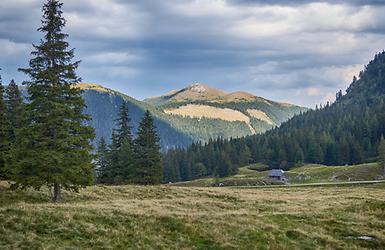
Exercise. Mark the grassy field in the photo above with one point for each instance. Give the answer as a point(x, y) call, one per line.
point(169, 217)
point(311, 173)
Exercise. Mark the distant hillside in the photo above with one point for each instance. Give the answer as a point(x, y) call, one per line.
point(177, 124)
point(345, 132)
point(195, 92)
point(103, 106)
point(235, 115)
point(178, 131)
point(204, 93)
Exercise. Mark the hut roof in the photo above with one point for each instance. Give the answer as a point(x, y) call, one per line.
point(276, 173)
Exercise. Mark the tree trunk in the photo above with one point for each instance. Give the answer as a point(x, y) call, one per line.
point(56, 198)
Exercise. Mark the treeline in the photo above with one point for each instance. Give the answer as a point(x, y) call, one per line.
point(216, 158)
point(345, 132)
point(128, 160)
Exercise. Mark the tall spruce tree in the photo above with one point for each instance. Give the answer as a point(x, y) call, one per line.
point(148, 166)
point(124, 128)
point(121, 151)
point(381, 153)
point(125, 163)
point(15, 109)
point(4, 129)
point(55, 148)
point(102, 164)
point(125, 147)
point(113, 159)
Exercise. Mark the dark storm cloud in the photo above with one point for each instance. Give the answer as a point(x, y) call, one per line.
point(302, 51)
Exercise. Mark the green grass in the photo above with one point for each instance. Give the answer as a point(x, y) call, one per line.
point(169, 217)
point(256, 174)
point(319, 173)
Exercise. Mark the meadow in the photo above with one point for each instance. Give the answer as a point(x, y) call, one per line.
point(256, 174)
point(172, 217)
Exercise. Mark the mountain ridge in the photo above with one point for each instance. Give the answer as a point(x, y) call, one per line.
point(204, 92)
point(199, 101)
point(176, 130)
point(197, 116)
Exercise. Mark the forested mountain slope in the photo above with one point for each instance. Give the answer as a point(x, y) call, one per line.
point(345, 132)
point(103, 106)
point(178, 131)
point(216, 113)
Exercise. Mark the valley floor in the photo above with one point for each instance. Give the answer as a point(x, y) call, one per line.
point(168, 217)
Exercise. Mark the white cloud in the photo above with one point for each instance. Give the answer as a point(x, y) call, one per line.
point(312, 91)
point(112, 58)
point(9, 48)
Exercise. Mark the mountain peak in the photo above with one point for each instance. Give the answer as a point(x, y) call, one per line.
point(200, 92)
point(198, 87)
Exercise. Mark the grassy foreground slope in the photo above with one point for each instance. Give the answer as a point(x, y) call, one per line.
point(165, 217)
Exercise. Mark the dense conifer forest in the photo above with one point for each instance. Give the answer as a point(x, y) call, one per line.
point(347, 131)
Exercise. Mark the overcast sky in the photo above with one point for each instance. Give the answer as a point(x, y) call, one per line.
point(293, 51)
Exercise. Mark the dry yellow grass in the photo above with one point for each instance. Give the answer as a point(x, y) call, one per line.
point(199, 111)
point(259, 114)
point(165, 217)
point(92, 86)
point(238, 96)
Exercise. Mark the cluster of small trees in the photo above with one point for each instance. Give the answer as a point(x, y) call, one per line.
point(128, 160)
